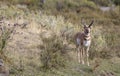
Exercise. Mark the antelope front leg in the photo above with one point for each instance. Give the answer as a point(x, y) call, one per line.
point(78, 54)
point(87, 55)
point(82, 55)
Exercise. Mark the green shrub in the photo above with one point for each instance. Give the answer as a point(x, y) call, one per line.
point(54, 54)
point(102, 2)
point(4, 37)
point(117, 2)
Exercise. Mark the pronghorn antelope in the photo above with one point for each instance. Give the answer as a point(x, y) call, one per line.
point(83, 41)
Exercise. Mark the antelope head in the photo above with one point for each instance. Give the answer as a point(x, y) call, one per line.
point(87, 28)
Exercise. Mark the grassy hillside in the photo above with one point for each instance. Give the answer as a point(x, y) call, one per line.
point(33, 40)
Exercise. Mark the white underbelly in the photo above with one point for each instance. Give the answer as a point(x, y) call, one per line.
point(86, 43)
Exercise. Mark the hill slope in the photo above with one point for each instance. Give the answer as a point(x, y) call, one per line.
point(26, 43)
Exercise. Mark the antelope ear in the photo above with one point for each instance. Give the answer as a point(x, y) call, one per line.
point(91, 23)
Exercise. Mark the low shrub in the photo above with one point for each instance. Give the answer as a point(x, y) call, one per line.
point(5, 33)
point(54, 54)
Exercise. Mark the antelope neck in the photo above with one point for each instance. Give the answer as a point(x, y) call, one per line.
point(87, 37)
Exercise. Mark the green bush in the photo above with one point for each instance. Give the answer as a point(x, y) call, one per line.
point(54, 54)
point(4, 37)
point(117, 2)
point(102, 2)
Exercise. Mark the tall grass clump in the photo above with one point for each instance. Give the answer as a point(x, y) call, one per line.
point(98, 41)
point(53, 54)
point(5, 33)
